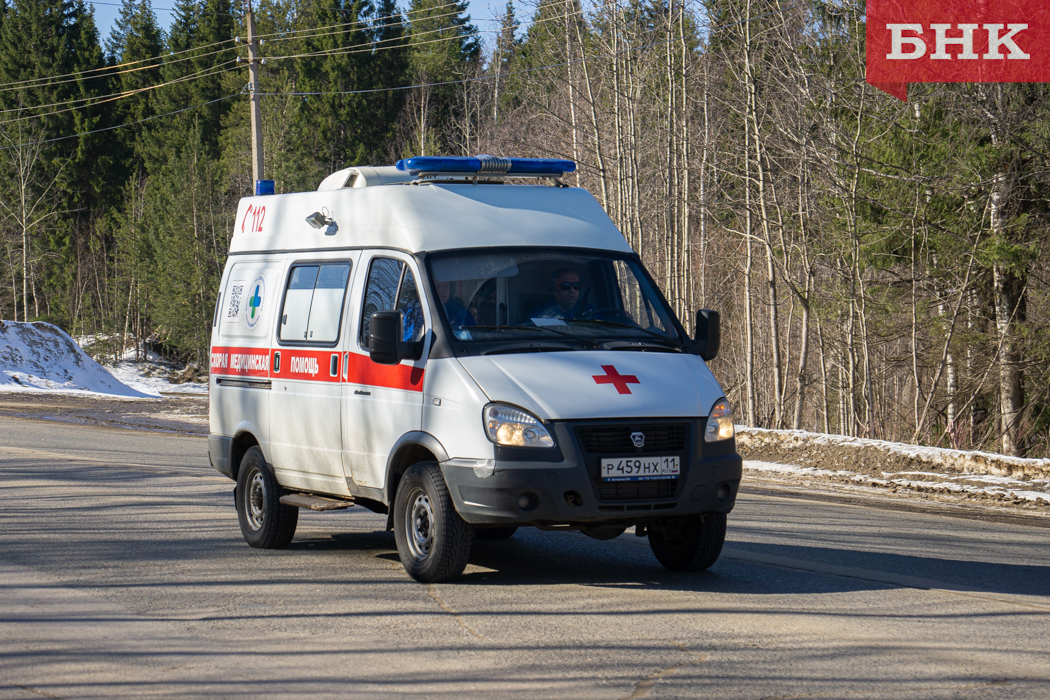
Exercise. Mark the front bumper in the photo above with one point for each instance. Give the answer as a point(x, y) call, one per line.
point(520, 492)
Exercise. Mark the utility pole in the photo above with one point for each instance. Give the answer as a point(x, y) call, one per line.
point(253, 91)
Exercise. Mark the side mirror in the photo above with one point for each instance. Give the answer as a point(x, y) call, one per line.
point(385, 346)
point(708, 333)
point(384, 335)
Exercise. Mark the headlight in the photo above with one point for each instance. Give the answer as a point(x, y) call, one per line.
point(720, 422)
point(513, 427)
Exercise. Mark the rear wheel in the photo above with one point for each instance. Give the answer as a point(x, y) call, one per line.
point(495, 533)
point(265, 522)
point(432, 540)
point(689, 543)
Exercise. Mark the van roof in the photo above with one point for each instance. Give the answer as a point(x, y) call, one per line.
point(381, 207)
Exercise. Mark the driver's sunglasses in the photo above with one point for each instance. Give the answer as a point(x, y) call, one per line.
point(570, 285)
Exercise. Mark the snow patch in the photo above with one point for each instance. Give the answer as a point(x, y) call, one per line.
point(40, 357)
point(154, 376)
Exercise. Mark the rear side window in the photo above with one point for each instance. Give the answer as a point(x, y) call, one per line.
point(313, 302)
point(392, 286)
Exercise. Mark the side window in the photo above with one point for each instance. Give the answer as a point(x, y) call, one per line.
point(313, 303)
point(408, 304)
point(295, 314)
point(392, 287)
point(381, 292)
point(326, 309)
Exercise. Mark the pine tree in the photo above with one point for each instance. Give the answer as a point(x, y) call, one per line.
point(504, 57)
point(443, 47)
point(201, 51)
point(386, 67)
point(40, 39)
point(136, 41)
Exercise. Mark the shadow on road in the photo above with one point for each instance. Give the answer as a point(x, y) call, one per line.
point(534, 557)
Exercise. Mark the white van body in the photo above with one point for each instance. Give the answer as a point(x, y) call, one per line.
point(334, 425)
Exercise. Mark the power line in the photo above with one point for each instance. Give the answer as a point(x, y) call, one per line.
point(98, 99)
point(370, 47)
point(407, 87)
point(372, 21)
point(114, 97)
point(527, 70)
point(121, 126)
point(235, 14)
point(164, 9)
point(106, 71)
point(373, 46)
point(84, 75)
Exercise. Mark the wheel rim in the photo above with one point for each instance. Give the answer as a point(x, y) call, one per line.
point(255, 500)
point(420, 526)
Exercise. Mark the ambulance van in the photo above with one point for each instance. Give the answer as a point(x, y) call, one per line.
point(468, 346)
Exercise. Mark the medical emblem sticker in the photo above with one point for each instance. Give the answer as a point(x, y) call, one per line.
point(256, 295)
point(620, 381)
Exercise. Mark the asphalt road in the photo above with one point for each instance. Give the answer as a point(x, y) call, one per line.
point(123, 573)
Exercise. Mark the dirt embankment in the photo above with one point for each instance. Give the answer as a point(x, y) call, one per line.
point(876, 457)
point(799, 458)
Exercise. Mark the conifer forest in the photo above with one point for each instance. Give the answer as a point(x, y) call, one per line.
point(881, 267)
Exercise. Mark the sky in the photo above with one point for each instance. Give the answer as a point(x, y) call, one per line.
point(106, 12)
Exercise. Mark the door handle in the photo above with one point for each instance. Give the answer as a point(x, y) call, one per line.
point(361, 392)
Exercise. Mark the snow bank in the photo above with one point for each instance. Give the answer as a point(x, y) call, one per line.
point(1002, 488)
point(145, 369)
point(840, 448)
point(40, 357)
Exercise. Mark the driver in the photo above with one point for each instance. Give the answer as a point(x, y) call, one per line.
point(457, 314)
point(566, 303)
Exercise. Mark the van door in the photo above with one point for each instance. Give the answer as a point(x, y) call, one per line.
point(305, 430)
point(383, 402)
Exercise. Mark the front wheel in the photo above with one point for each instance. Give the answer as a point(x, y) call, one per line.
point(265, 522)
point(689, 543)
point(433, 542)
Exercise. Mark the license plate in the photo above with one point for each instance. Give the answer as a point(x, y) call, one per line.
point(640, 468)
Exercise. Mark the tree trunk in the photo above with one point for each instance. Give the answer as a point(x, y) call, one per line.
point(1009, 310)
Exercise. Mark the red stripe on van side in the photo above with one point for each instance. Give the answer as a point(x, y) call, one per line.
point(311, 365)
point(240, 362)
point(363, 371)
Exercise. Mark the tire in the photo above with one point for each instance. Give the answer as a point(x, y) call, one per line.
point(265, 522)
point(690, 543)
point(432, 540)
point(495, 533)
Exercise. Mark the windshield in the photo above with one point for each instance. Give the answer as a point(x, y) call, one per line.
point(551, 300)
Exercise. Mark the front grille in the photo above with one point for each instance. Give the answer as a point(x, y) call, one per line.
point(598, 441)
point(611, 440)
point(635, 490)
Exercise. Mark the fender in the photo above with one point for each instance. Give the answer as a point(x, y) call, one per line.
point(255, 431)
point(405, 453)
point(245, 429)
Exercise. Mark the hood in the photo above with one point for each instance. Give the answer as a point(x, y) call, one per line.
point(584, 385)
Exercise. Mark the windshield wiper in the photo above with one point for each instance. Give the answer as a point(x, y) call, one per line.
point(657, 336)
point(541, 329)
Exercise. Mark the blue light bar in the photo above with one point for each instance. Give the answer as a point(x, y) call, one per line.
point(486, 165)
point(263, 187)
